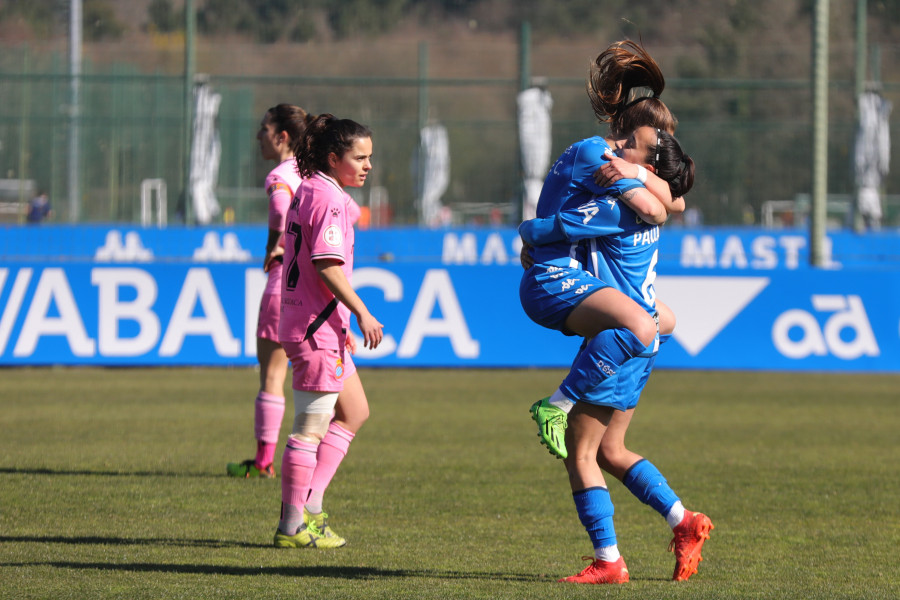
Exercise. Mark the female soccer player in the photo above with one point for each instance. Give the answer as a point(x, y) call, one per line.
point(317, 300)
point(609, 372)
point(607, 393)
point(279, 135)
point(624, 87)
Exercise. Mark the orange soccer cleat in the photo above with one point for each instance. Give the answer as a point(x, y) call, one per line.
point(688, 541)
point(601, 572)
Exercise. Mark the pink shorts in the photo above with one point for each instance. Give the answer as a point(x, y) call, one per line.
point(318, 369)
point(269, 315)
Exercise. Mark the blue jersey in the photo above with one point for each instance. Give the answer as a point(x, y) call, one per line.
point(569, 186)
point(607, 239)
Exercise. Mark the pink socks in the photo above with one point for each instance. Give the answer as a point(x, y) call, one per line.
point(297, 465)
point(269, 413)
point(332, 451)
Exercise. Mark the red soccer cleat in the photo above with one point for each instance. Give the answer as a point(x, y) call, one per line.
point(601, 572)
point(688, 541)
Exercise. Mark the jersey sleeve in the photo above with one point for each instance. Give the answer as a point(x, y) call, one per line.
point(327, 236)
point(597, 218)
point(280, 194)
point(541, 230)
point(591, 157)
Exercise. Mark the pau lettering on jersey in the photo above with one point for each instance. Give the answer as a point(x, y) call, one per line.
point(645, 237)
point(464, 249)
point(761, 252)
point(52, 310)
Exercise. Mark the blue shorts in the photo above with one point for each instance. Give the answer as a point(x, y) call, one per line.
point(623, 390)
point(549, 293)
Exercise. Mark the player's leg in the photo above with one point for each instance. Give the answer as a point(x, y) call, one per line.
point(587, 426)
point(616, 329)
point(609, 308)
point(351, 412)
point(646, 482)
point(269, 409)
point(313, 408)
point(273, 367)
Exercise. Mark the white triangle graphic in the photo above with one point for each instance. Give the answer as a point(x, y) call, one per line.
point(703, 306)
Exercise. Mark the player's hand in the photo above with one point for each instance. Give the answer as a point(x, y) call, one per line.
point(273, 254)
point(525, 256)
point(371, 329)
point(616, 169)
point(350, 343)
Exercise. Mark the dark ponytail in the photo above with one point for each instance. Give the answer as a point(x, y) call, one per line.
point(672, 164)
point(624, 86)
point(292, 119)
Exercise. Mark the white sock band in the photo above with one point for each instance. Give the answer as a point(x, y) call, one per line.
point(676, 514)
point(559, 400)
point(607, 553)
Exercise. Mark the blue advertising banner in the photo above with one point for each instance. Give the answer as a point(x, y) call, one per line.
point(744, 299)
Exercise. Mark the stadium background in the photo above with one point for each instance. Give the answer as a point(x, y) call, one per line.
point(741, 93)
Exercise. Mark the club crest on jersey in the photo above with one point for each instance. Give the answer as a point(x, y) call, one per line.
point(338, 369)
point(333, 236)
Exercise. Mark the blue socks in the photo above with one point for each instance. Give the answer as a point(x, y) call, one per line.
point(649, 486)
point(595, 509)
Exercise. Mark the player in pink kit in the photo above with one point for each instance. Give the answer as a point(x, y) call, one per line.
point(279, 136)
point(316, 303)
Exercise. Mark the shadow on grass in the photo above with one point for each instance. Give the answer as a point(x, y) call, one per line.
point(117, 541)
point(46, 471)
point(335, 572)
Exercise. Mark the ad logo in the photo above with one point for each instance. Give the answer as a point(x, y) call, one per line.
point(849, 315)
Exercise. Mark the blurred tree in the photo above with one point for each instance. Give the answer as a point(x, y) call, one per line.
point(365, 17)
point(40, 15)
point(163, 17)
point(100, 21)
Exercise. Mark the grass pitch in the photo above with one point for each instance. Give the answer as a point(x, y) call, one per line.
point(112, 485)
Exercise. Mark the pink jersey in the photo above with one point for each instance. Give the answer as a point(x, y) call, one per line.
point(281, 183)
point(319, 226)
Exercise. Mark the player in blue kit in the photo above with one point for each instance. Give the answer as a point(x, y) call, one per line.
point(614, 363)
point(624, 86)
point(610, 246)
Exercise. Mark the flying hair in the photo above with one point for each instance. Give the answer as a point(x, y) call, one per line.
point(624, 86)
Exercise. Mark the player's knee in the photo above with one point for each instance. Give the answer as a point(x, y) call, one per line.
point(645, 330)
point(359, 416)
point(612, 457)
point(312, 414)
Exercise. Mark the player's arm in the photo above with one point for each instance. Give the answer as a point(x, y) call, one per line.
point(592, 157)
point(647, 206)
point(572, 224)
point(274, 249)
point(617, 169)
point(332, 275)
point(280, 195)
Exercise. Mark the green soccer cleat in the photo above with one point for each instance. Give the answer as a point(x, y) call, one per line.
point(248, 469)
point(319, 522)
point(552, 423)
point(307, 537)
